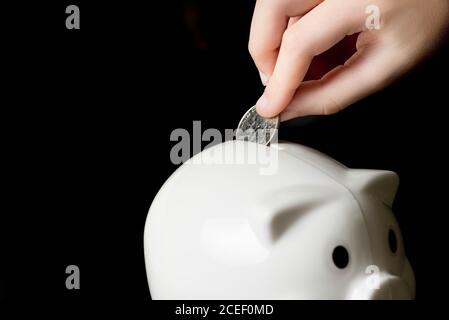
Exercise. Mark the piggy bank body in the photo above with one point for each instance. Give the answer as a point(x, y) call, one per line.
point(309, 229)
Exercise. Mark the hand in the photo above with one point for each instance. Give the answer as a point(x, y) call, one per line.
point(287, 34)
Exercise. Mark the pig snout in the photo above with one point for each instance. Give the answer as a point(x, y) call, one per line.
point(385, 287)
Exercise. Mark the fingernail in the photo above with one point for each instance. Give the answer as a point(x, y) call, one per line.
point(262, 103)
point(263, 78)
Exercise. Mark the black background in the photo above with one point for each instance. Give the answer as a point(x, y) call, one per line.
point(88, 115)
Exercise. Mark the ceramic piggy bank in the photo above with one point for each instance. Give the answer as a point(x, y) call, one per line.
point(309, 229)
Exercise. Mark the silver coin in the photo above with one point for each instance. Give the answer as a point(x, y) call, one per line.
point(256, 128)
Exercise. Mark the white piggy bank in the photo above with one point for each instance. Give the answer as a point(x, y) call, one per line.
point(310, 229)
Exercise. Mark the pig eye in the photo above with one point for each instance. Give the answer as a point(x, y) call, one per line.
point(341, 257)
point(392, 241)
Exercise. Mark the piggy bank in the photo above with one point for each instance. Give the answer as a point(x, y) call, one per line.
point(310, 228)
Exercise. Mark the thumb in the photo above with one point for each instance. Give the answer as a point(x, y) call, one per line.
point(368, 70)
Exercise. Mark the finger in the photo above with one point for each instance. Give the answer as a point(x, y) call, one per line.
point(314, 33)
point(270, 19)
point(367, 71)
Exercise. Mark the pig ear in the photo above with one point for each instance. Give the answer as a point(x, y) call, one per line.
point(275, 213)
point(380, 184)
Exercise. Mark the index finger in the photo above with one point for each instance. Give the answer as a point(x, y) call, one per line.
point(270, 19)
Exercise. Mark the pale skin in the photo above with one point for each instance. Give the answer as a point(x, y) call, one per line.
point(286, 35)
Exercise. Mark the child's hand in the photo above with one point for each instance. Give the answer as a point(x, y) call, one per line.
point(287, 34)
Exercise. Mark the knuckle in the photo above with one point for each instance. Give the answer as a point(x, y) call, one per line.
point(292, 45)
point(289, 40)
point(253, 50)
point(250, 47)
point(331, 106)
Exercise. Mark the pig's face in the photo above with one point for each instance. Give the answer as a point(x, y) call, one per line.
point(314, 229)
point(334, 248)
